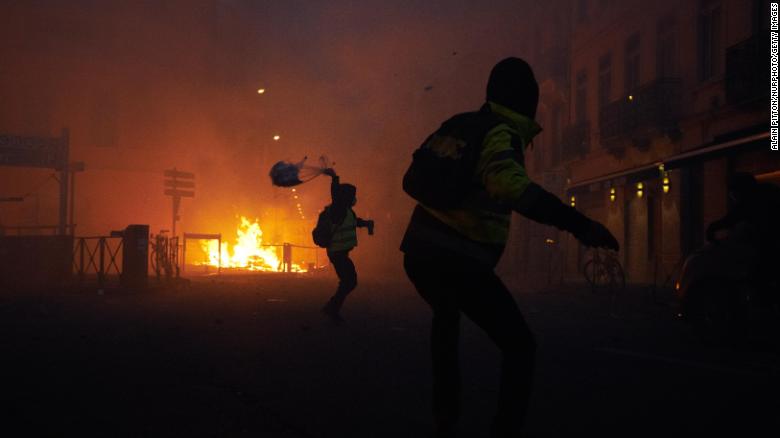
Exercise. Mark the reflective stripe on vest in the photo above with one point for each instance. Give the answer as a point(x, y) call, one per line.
point(481, 218)
point(345, 236)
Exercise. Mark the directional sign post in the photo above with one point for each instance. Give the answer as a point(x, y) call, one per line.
point(175, 181)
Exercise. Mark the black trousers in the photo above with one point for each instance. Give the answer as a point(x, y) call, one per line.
point(455, 286)
point(345, 270)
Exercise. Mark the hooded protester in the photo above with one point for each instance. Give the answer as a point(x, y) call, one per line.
point(451, 253)
point(344, 224)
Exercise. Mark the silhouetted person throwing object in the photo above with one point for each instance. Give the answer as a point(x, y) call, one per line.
point(343, 238)
point(468, 177)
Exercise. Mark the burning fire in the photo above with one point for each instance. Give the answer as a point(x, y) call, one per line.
point(248, 251)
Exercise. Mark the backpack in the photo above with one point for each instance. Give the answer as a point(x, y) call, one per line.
point(322, 234)
point(442, 168)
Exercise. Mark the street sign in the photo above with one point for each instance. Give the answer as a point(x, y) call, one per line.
point(179, 193)
point(50, 153)
point(44, 152)
point(172, 189)
point(173, 183)
point(173, 173)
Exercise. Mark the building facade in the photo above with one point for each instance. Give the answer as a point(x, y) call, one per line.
point(662, 102)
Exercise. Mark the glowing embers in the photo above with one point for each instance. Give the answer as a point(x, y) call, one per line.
point(248, 252)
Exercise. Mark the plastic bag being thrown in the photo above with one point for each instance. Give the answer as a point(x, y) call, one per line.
point(287, 174)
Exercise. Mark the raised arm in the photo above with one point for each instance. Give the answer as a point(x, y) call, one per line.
point(334, 183)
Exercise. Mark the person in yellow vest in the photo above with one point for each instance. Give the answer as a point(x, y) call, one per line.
point(450, 253)
point(345, 224)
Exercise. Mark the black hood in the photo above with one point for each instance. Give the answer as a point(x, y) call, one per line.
point(513, 85)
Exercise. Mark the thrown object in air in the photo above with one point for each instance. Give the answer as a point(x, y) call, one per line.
point(288, 174)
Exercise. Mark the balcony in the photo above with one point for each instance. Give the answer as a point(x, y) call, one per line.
point(651, 111)
point(747, 71)
point(575, 140)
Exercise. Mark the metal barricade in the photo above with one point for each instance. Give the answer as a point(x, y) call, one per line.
point(202, 236)
point(98, 256)
point(312, 252)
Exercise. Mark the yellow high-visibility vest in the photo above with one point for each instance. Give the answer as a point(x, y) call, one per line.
point(345, 236)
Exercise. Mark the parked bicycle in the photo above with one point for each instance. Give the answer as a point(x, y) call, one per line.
point(605, 274)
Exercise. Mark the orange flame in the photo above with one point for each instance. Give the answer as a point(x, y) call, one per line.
point(248, 251)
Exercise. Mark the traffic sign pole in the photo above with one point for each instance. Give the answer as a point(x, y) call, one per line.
point(172, 187)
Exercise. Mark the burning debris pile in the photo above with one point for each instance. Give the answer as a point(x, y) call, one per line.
point(248, 252)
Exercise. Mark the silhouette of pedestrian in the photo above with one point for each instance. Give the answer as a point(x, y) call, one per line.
point(756, 205)
point(450, 253)
point(345, 223)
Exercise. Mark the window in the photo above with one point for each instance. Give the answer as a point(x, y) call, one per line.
point(631, 77)
point(709, 39)
point(605, 80)
point(666, 56)
point(581, 97)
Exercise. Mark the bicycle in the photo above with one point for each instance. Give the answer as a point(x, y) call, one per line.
point(604, 273)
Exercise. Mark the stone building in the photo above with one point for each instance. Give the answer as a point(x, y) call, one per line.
point(661, 103)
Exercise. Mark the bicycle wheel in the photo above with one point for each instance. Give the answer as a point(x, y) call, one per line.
point(617, 285)
point(596, 275)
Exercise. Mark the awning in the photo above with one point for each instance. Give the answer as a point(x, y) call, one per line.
point(648, 171)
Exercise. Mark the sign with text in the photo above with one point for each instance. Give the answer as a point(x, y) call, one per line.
point(45, 152)
point(173, 173)
point(180, 193)
point(174, 182)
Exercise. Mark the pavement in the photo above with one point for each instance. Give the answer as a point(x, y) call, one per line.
point(250, 355)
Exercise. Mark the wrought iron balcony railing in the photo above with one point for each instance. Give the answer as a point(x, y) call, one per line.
point(653, 109)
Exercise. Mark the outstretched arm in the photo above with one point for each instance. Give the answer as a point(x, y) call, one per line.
point(362, 223)
point(366, 223)
point(542, 206)
point(506, 180)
